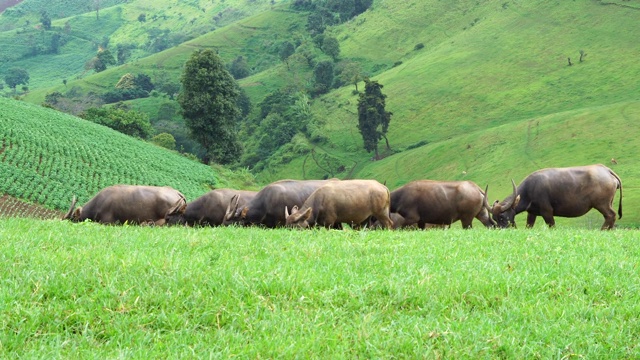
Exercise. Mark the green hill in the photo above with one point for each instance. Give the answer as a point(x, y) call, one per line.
point(478, 90)
point(47, 157)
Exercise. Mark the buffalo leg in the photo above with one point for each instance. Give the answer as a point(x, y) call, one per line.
point(548, 218)
point(609, 217)
point(531, 219)
point(466, 223)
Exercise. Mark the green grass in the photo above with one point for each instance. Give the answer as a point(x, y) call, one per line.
point(86, 290)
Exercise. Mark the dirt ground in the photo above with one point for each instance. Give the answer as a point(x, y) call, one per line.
point(12, 207)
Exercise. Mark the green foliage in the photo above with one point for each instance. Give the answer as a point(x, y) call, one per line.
point(373, 119)
point(48, 157)
point(127, 81)
point(45, 19)
point(239, 68)
point(146, 292)
point(286, 50)
point(208, 102)
point(130, 122)
point(15, 77)
point(331, 47)
point(165, 140)
point(323, 74)
point(103, 59)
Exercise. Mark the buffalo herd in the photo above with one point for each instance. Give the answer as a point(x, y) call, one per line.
point(564, 192)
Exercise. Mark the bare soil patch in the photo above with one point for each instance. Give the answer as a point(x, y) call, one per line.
point(12, 207)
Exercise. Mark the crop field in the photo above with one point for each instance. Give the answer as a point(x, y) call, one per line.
point(91, 291)
point(47, 157)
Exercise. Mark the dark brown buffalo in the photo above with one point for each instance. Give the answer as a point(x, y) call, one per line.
point(132, 204)
point(267, 207)
point(349, 201)
point(426, 202)
point(565, 192)
point(210, 208)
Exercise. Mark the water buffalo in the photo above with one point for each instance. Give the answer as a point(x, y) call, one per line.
point(349, 201)
point(267, 207)
point(210, 208)
point(426, 202)
point(565, 192)
point(129, 203)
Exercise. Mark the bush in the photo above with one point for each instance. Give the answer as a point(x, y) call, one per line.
point(418, 46)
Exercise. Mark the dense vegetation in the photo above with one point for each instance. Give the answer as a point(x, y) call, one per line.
point(459, 110)
point(47, 157)
point(86, 290)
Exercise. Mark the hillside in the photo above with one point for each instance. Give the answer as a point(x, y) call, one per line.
point(140, 27)
point(47, 157)
point(478, 90)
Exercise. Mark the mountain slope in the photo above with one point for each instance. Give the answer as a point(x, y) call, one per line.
point(47, 157)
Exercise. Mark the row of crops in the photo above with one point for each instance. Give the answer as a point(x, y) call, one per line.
point(47, 157)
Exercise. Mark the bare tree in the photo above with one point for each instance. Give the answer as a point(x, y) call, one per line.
point(96, 5)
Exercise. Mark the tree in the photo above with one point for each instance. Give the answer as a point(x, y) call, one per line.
point(96, 5)
point(286, 50)
point(130, 122)
point(373, 119)
point(239, 68)
point(351, 73)
point(45, 19)
point(165, 140)
point(16, 76)
point(127, 81)
point(103, 59)
point(323, 73)
point(331, 47)
point(208, 101)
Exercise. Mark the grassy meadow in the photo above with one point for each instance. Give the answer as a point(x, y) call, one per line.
point(91, 291)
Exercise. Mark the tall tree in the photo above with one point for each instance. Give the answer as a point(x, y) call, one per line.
point(286, 50)
point(16, 76)
point(45, 19)
point(373, 119)
point(323, 73)
point(331, 47)
point(208, 101)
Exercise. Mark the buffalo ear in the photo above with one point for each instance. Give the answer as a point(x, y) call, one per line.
point(495, 208)
point(307, 214)
point(515, 202)
point(243, 213)
point(76, 214)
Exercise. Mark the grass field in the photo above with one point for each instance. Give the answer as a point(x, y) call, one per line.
point(91, 291)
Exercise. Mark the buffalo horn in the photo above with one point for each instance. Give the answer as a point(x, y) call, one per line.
point(232, 207)
point(73, 204)
point(508, 202)
point(286, 212)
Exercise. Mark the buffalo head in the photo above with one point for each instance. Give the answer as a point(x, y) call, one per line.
point(73, 215)
point(504, 213)
point(297, 218)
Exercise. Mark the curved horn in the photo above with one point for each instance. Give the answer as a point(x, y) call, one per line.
point(73, 204)
point(485, 202)
point(232, 207)
point(508, 202)
point(286, 212)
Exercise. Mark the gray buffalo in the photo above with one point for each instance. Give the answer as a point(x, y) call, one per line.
point(565, 192)
point(267, 207)
point(210, 208)
point(426, 202)
point(131, 204)
point(350, 201)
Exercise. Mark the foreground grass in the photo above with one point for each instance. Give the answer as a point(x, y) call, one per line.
point(85, 290)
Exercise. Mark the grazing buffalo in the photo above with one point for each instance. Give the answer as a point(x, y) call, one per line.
point(130, 203)
point(426, 202)
point(349, 201)
point(267, 207)
point(566, 192)
point(210, 208)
